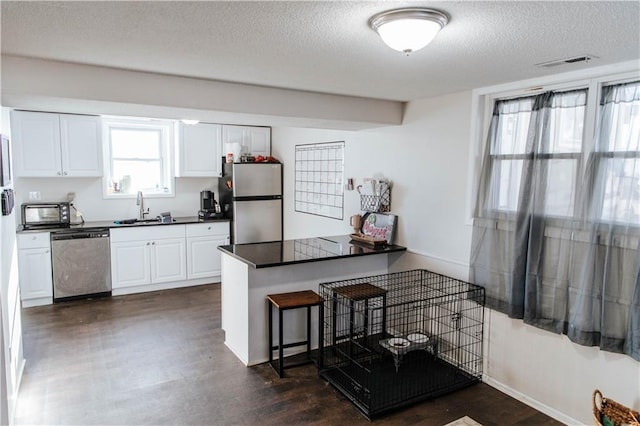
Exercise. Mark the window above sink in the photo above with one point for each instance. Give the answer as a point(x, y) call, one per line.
point(137, 157)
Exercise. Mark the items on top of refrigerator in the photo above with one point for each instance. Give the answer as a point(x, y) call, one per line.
point(269, 159)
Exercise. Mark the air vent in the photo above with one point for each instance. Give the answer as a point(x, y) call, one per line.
point(572, 60)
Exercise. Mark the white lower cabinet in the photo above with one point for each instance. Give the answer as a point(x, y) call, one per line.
point(34, 269)
point(203, 256)
point(146, 256)
point(130, 264)
point(165, 266)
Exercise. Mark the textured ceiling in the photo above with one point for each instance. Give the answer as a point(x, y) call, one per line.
point(324, 46)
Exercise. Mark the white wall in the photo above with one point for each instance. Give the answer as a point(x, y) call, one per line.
point(553, 374)
point(427, 159)
point(9, 304)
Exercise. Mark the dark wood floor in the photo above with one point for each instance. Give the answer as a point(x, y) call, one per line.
point(159, 358)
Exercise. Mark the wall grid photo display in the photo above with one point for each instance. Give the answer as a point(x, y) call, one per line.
point(319, 179)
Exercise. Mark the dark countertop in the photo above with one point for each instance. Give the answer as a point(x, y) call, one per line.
point(289, 252)
point(99, 224)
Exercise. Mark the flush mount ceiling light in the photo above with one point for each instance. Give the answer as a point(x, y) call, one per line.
point(410, 29)
point(190, 122)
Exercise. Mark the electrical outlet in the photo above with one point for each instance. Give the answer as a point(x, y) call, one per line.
point(34, 195)
point(71, 196)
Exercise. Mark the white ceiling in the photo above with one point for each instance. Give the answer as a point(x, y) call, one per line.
point(324, 46)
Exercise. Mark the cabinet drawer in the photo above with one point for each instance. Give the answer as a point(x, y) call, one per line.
point(33, 240)
point(147, 232)
point(207, 229)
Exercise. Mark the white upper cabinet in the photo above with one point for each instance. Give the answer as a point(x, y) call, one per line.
point(259, 141)
point(252, 140)
point(199, 150)
point(36, 144)
point(80, 144)
point(51, 145)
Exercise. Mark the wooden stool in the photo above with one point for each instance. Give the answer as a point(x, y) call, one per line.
point(355, 293)
point(286, 301)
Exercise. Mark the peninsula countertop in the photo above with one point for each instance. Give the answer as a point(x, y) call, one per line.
point(303, 250)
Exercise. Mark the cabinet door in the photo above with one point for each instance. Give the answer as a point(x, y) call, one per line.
point(200, 150)
point(250, 140)
point(130, 264)
point(168, 260)
point(81, 147)
point(233, 141)
point(259, 141)
point(203, 256)
point(233, 134)
point(36, 141)
point(34, 267)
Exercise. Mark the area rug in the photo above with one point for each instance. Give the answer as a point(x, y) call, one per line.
point(464, 421)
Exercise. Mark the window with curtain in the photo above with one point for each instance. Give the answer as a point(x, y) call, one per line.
point(513, 147)
point(617, 156)
point(557, 223)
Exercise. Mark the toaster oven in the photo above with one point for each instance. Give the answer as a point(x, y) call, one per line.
point(45, 215)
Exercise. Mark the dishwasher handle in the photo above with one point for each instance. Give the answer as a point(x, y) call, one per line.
point(57, 236)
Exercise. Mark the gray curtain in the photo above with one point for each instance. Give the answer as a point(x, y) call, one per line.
point(556, 235)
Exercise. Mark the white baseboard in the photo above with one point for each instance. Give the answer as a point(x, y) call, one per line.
point(39, 301)
point(163, 286)
point(239, 355)
point(543, 408)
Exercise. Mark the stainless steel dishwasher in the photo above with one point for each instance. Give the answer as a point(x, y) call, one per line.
point(81, 264)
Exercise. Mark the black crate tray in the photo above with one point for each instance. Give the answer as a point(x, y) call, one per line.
point(420, 377)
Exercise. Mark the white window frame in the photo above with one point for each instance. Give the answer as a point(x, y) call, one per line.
point(167, 132)
point(483, 100)
point(578, 156)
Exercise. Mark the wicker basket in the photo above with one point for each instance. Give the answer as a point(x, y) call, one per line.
point(607, 412)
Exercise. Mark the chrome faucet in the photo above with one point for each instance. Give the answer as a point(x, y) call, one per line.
point(140, 204)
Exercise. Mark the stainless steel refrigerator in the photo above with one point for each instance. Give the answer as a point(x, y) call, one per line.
point(251, 196)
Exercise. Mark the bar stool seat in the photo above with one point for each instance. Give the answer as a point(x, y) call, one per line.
point(286, 301)
point(358, 293)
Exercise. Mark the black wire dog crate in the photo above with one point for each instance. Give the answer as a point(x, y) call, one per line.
point(391, 340)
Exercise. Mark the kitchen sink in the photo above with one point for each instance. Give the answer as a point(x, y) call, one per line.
point(136, 221)
point(140, 221)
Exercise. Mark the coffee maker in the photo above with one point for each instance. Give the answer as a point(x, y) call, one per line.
point(209, 208)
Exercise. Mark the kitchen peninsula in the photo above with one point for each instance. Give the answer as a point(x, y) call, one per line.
point(251, 271)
